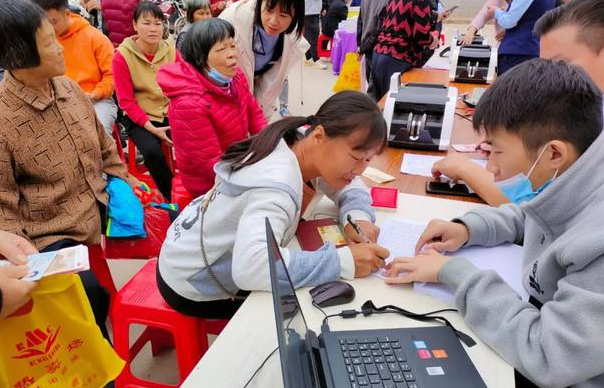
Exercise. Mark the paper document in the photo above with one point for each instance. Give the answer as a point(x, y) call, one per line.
point(400, 237)
point(377, 176)
point(422, 164)
point(67, 260)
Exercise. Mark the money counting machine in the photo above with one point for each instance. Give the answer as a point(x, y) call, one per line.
point(474, 63)
point(419, 115)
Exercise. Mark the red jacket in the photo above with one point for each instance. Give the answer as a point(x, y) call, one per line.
point(118, 16)
point(205, 120)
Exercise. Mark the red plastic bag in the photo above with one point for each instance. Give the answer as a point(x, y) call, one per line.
point(157, 222)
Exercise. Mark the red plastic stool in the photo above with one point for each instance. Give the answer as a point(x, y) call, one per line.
point(139, 302)
point(324, 46)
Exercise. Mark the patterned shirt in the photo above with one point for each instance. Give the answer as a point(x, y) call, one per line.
point(53, 153)
point(405, 30)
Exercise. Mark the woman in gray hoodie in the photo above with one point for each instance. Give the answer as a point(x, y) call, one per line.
point(217, 247)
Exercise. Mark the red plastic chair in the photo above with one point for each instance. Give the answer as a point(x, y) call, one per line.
point(180, 195)
point(118, 143)
point(324, 46)
point(139, 302)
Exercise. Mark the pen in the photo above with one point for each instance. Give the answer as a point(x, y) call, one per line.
point(357, 229)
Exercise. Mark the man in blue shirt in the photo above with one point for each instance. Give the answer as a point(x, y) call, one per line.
point(519, 44)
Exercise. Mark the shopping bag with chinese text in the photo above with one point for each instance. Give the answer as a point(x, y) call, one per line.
point(54, 341)
point(350, 75)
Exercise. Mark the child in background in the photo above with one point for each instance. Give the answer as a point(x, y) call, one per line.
point(196, 10)
point(546, 116)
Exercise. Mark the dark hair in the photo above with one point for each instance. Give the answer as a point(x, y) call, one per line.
point(295, 8)
point(341, 115)
point(200, 39)
point(194, 5)
point(19, 21)
point(586, 15)
point(543, 100)
point(147, 8)
point(58, 5)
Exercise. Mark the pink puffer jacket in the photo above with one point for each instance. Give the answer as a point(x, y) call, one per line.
point(118, 16)
point(205, 120)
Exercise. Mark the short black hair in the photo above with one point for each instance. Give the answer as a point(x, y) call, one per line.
point(19, 22)
point(200, 39)
point(194, 5)
point(295, 8)
point(586, 15)
point(147, 8)
point(58, 5)
point(542, 100)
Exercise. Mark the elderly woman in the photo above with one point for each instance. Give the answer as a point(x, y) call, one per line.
point(211, 106)
point(54, 152)
point(197, 10)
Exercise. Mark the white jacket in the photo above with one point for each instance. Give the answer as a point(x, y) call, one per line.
point(266, 87)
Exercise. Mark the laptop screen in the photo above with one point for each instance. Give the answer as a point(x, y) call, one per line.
point(297, 363)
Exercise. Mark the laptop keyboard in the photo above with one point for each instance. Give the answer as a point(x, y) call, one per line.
point(376, 362)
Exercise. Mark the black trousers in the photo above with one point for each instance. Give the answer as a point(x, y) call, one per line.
point(311, 33)
point(151, 149)
point(97, 295)
point(216, 309)
point(382, 68)
point(370, 87)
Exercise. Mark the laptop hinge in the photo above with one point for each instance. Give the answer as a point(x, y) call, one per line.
point(320, 359)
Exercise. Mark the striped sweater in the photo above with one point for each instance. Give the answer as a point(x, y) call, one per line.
point(405, 30)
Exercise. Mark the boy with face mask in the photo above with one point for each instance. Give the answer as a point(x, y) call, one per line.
point(573, 33)
point(546, 117)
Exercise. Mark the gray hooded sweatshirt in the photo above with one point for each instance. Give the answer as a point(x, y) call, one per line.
point(235, 237)
point(562, 344)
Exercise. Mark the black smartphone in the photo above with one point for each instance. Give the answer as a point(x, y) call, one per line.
point(444, 188)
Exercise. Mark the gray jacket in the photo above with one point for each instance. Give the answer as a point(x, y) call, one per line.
point(368, 24)
point(562, 344)
point(235, 236)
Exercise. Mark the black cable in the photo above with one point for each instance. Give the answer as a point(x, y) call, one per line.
point(319, 307)
point(463, 117)
point(260, 367)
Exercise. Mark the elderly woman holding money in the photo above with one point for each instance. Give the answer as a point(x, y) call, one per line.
point(54, 153)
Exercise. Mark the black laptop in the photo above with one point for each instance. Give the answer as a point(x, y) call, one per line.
point(422, 357)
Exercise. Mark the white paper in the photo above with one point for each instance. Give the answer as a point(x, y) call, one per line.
point(400, 237)
point(505, 259)
point(422, 164)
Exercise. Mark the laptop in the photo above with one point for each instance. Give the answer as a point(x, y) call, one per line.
point(422, 357)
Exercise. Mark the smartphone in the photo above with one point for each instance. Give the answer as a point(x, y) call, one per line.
point(444, 188)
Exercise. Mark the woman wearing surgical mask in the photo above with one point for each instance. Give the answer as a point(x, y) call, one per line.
point(211, 106)
point(269, 39)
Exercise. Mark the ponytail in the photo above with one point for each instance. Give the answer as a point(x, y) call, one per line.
point(250, 151)
point(341, 115)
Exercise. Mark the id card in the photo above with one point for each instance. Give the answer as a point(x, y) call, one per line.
point(332, 234)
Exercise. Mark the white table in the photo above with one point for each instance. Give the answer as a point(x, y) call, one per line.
point(251, 335)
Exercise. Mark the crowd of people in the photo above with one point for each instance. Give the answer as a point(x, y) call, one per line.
point(210, 92)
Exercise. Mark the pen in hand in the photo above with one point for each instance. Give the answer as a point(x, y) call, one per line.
point(357, 229)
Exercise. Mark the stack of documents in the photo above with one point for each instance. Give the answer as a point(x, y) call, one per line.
point(66, 260)
point(400, 237)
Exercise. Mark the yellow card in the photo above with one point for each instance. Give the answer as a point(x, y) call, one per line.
point(332, 234)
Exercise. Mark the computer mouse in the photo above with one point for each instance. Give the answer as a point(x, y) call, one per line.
point(332, 293)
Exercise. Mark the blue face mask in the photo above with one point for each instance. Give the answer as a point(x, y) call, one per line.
point(519, 188)
point(219, 77)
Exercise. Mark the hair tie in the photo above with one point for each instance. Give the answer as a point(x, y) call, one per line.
point(310, 120)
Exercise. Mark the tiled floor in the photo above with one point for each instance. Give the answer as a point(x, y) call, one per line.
point(309, 88)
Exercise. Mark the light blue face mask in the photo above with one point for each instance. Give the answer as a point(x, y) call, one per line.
point(519, 188)
point(219, 77)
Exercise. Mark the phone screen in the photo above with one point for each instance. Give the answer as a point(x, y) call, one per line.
point(445, 188)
